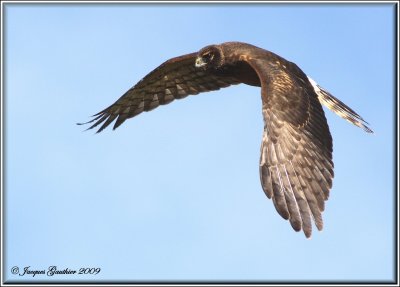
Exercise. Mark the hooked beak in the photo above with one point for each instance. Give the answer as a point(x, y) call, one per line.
point(199, 62)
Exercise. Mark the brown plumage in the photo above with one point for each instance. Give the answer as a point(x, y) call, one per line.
point(296, 168)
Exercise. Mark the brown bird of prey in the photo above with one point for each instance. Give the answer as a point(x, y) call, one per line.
point(296, 167)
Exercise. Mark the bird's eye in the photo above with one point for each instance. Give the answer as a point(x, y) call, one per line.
point(207, 57)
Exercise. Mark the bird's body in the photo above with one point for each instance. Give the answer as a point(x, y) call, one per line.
point(296, 167)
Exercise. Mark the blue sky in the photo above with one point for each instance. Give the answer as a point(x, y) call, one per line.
point(174, 194)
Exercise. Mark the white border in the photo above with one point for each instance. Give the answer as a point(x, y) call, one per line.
point(188, 2)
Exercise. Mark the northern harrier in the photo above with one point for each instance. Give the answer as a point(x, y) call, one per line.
point(296, 167)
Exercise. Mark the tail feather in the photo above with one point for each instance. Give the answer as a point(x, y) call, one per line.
point(339, 107)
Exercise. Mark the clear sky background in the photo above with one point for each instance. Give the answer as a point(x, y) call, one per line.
point(174, 194)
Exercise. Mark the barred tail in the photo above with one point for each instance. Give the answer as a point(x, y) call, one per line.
point(339, 107)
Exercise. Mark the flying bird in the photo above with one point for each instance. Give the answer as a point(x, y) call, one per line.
point(296, 167)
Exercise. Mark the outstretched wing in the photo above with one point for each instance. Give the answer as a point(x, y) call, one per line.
point(174, 79)
point(296, 167)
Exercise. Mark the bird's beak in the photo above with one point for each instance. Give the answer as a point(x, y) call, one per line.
point(199, 62)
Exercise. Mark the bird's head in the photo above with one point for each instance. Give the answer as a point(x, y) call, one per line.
point(210, 57)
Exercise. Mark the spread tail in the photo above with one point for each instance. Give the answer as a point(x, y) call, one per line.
point(339, 107)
